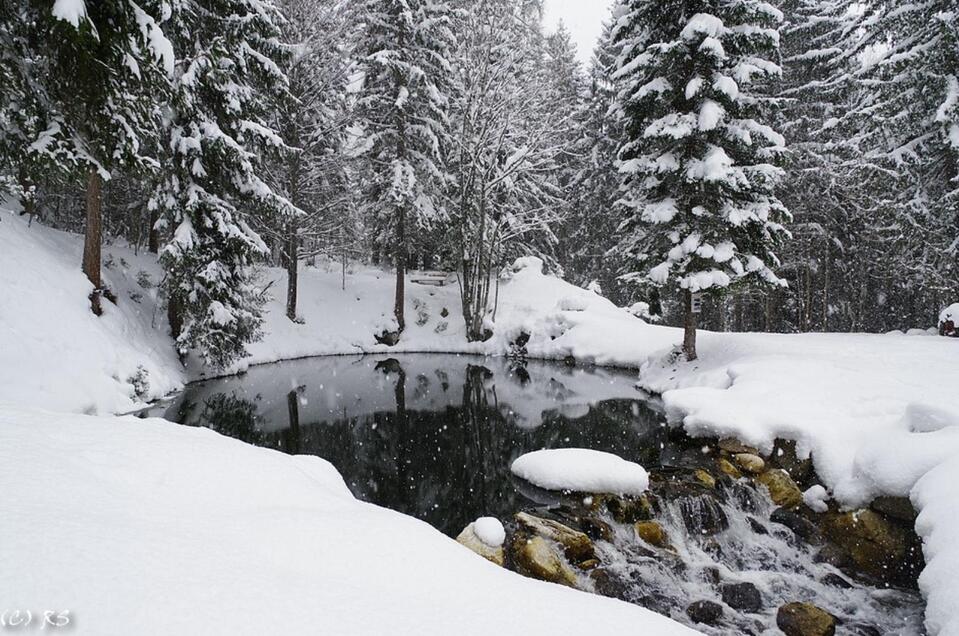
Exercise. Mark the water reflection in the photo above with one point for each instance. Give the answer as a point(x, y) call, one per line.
point(432, 436)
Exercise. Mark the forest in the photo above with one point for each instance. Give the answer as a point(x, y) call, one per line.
point(455, 136)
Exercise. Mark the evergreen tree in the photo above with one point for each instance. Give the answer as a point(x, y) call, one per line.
point(228, 79)
point(402, 111)
point(698, 160)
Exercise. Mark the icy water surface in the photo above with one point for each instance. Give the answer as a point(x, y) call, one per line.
point(433, 436)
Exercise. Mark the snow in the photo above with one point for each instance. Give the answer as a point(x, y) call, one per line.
point(581, 470)
point(878, 413)
point(490, 531)
point(147, 527)
point(72, 11)
point(815, 497)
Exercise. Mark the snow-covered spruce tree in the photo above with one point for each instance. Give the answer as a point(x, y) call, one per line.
point(402, 111)
point(312, 119)
point(698, 160)
point(84, 78)
point(228, 79)
point(508, 138)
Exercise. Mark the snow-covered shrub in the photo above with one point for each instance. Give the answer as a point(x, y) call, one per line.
point(642, 311)
point(573, 303)
point(949, 321)
point(140, 381)
point(528, 262)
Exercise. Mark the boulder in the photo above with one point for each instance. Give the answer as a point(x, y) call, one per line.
point(727, 468)
point(834, 580)
point(742, 596)
point(735, 447)
point(805, 619)
point(628, 509)
point(802, 527)
point(607, 583)
point(652, 533)
point(702, 515)
point(576, 545)
point(895, 507)
point(876, 546)
point(540, 559)
point(750, 462)
point(706, 612)
point(785, 456)
point(471, 540)
point(782, 489)
point(596, 529)
point(704, 478)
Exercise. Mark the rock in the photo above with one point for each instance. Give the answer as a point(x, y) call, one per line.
point(538, 558)
point(834, 556)
point(834, 580)
point(444, 312)
point(702, 515)
point(589, 564)
point(629, 510)
point(712, 575)
point(734, 447)
point(652, 533)
point(802, 527)
point(750, 462)
point(605, 583)
point(577, 546)
point(785, 456)
point(782, 489)
point(895, 507)
point(877, 547)
point(704, 478)
point(742, 596)
point(726, 467)
point(596, 529)
point(706, 612)
point(469, 538)
point(757, 526)
point(388, 338)
point(805, 619)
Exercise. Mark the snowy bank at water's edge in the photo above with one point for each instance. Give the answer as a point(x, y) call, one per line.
point(147, 527)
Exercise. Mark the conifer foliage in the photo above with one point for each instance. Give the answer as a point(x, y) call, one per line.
point(699, 158)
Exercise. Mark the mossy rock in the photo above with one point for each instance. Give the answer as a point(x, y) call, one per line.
point(629, 509)
point(576, 545)
point(727, 468)
point(541, 559)
point(876, 546)
point(750, 462)
point(652, 533)
point(805, 619)
point(703, 477)
point(782, 489)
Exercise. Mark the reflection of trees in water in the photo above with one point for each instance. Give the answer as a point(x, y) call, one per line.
point(446, 466)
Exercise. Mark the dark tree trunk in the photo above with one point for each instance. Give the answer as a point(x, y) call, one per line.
point(153, 240)
point(293, 434)
point(400, 300)
point(91, 240)
point(175, 317)
point(689, 326)
point(292, 272)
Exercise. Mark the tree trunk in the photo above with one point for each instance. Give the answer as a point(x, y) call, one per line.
point(153, 240)
point(400, 301)
point(293, 433)
point(292, 271)
point(689, 326)
point(175, 317)
point(91, 240)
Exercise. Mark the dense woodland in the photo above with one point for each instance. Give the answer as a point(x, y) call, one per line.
point(797, 160)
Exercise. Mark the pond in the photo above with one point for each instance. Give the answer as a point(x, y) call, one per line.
point(433, 436)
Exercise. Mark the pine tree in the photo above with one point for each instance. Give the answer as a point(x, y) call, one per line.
point(85, 78)
point(216, 139)
point(402, 111)
point(698, 160)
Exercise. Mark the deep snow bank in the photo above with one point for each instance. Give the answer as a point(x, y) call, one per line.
point(146, 527)
point(54, 353)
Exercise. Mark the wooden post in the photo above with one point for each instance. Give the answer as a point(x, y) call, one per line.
point(91, 239)
point(689, 326)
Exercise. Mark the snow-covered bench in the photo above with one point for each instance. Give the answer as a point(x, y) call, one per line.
point(435, 278)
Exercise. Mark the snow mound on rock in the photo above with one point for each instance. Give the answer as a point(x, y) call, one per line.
point(581, 470)
point(490, 531)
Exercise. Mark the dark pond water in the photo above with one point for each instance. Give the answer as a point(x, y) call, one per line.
point(432, 436)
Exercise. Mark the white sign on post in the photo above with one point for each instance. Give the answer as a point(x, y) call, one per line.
point(697, 302)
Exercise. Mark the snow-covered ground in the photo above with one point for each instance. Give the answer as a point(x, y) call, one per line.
point(147, 527)
point(879, 413)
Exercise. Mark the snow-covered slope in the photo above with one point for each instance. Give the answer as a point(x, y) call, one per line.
point(147, 527)
point(54, 353)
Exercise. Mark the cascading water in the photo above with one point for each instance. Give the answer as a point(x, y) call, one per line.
point(725, 550)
